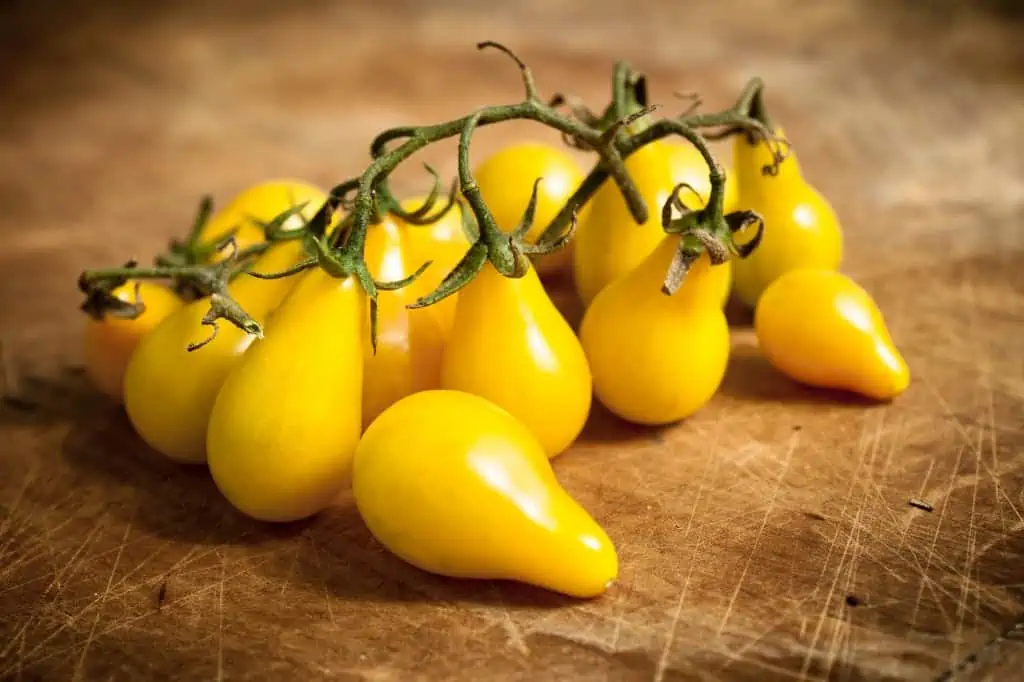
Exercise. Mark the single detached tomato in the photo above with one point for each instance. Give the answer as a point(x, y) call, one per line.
point(610, 243)
point(656, 358)
point(801, 230)
point(409, 342)
point(506, 181)
point(455, 485)
point(259, 204)
point(169, 390)
point(821, 328)
point(511, 345)
point(285, 424)
point(108, 344)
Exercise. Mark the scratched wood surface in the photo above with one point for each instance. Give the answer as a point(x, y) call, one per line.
point(769, 537)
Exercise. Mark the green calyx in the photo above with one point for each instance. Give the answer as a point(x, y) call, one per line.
point(705, 231)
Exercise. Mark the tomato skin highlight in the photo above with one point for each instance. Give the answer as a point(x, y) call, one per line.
point(455, 485)
point(287, 419)
point(410, 343)
point(108, 344)
point(657, 359)
point(443, 243)
point(169, 390)
point(801, 229)
point(506, 180)
point(511, 345)
point(821, 328)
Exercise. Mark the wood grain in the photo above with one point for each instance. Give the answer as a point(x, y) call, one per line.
point(769, 537)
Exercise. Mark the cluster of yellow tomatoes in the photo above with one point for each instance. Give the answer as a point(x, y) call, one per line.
point(445, 434)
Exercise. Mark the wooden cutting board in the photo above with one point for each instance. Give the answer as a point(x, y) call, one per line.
point(772, 536)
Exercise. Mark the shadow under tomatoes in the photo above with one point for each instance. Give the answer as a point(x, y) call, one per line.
point(337, 553)
point(750, 377)
point(151, 492)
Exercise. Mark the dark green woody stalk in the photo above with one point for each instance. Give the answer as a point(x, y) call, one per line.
point(367, 196)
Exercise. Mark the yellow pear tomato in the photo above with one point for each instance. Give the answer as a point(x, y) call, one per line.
point(506, 180)
point(801, 229)
point(821, 328)
point(409, 342)
point(286, 422)
point(108, 344)
point(169, 390)
point(457, 486)
point(442, 242)
point(511, 345)
point(609, 242)
point(656, 358)
point(259, 204)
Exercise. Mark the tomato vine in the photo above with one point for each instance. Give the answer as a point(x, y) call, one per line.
point(365, 197)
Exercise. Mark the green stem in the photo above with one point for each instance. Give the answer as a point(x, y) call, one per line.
point(620, 103)
point(595, 178)
point(716, 174)
point(610, 136)
point(500, 250)
point(755, 107)
point(736, 118)
point(415, 138)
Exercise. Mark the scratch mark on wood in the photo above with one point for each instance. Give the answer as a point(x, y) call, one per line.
point(613, 645)
point(28, 557)
point(514, 634)
point(931, 555)
point(80, 666)
point(985, 649)
point(21, 654)
point(709, 464)
point(12, 511)
point(784, 469)
point(292, 569)
point(839, 645)
point(161, 595)
point(827, 601)
point(190, 557)
point(30, 657)
point(948, 411)
point(990, 424)
point(920, 494)
point(120, 586)
point(966, 582)
point(323, 579)
point(72, 562)
point(220, 620)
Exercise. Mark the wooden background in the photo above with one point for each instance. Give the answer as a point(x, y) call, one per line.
point(767, 538)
